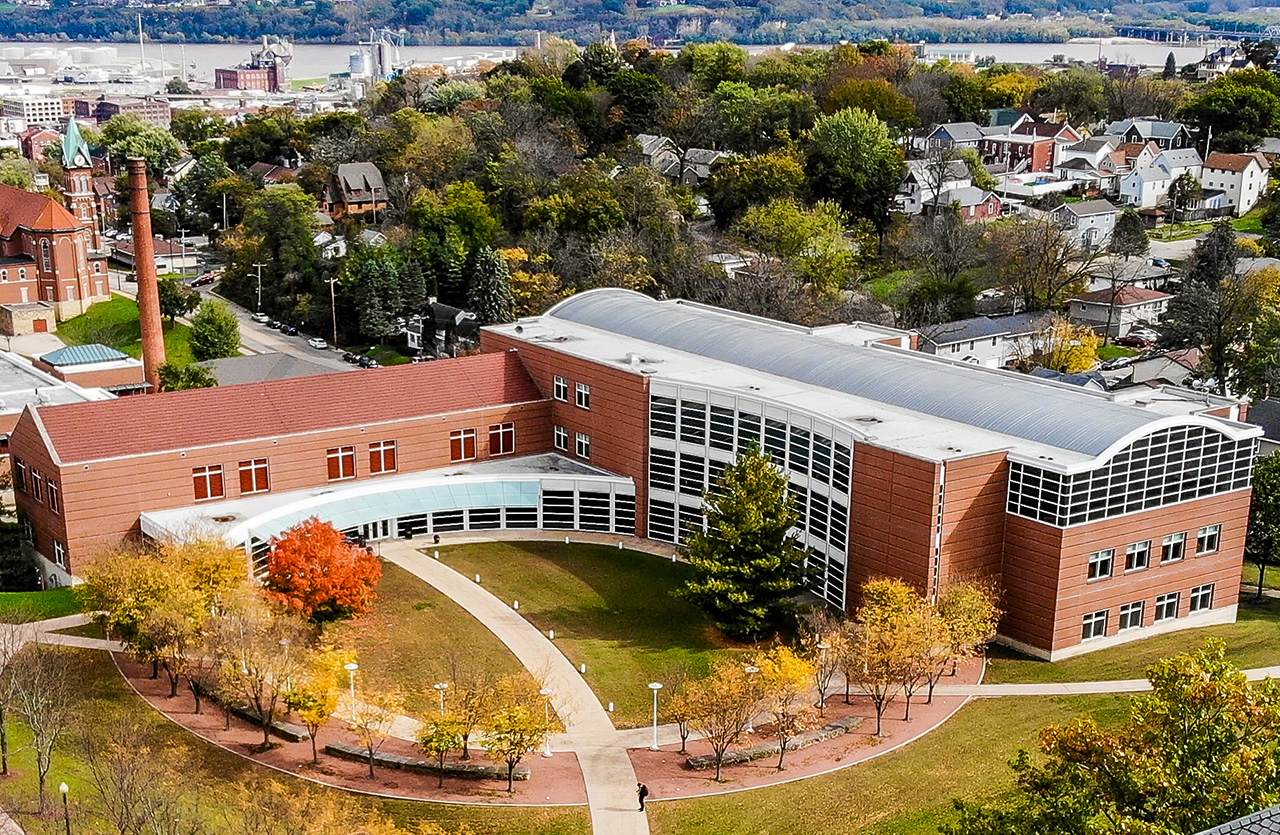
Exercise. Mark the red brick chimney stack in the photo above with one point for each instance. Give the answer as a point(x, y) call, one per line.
point(144, 261)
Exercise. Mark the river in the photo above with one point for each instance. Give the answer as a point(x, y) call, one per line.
point(319, 60)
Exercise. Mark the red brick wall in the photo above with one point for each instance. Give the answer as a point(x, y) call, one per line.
point(973, 518)
point(618, 421)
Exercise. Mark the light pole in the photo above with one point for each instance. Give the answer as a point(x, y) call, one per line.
point(182, 237)
point(751, 685)
point(259, 266)
point(655, 686)
point(333, 308)
point(351, 671)
point(66, 809)
point(546, 694)
point(440, 687)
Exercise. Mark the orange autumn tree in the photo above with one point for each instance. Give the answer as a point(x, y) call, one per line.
point(313, 571)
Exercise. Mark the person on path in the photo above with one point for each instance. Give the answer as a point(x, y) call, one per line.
point(642, 791)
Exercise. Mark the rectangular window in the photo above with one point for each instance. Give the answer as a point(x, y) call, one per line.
point(37, 486)
point(462, 445)
point(582, 445)
point(1202, 598)
point(1100, 563)
point(1095, 625)
point(1131, 615)
point(1175, 547)
point(560, 390)
point(561, 439)
point(55, 498)
point(1208, 539)
point(693, 422)
point(662, 417)
point(502, 438)
point(208, 482)
point(254, 476)
point(1137, 556)
point(19, 476)
point(342, 462)
point(382, 457)
point(583, 394)
point(60, 554)
point(1167, 606)
point(721, 436)
point(662, 469)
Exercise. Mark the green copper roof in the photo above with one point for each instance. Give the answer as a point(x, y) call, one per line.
point(75, 151)
point(83, 355)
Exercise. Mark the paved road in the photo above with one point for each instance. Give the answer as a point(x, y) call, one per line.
point(589, 733)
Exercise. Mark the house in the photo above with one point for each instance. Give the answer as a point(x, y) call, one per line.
point(171, 257)
point(1116, 312)
point(174, 173)
point(33, 141)
point(273, 175)
point(972, 202)
point(924, 176)
point(660, 153)
point(355, 189)
point(1018, 153)
point(1176, 367)
point(1167, 135)
point(1147, 186)
point(1088, 223)
point(697, 165)
point(440, 333)
point(954, 136)
point(1220, 62)
point(1091, 162)
point(331, 246)
point(992, 342)
point(1266, 413)
point(96, 366)
point(1241, 177)
point(104, 195)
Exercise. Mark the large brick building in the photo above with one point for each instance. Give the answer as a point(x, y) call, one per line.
point(1102, 521)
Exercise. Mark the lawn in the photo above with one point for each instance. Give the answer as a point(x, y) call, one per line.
point(1253, 641)
point(385, 355)
point(115, 323)
point(907, 791)
point(611, 609)
point(1107, 353)
point(1271, 580)
point(40, 605)
point(223, 777)
point(406, 639)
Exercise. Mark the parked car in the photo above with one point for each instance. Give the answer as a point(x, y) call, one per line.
point(369, 362)
point(318, 343)
point(288, 330)
point(1132, 341)
point(348, 356)
point(204, 279)
point(1145, 333)
point(261, 318)
point(1160, 262)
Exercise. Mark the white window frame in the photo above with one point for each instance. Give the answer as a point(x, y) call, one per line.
point(342, 455)
point(1174, 542)
point(1162, 606)
point(1090, 622)
point(582, 396)
point(505, 435)
point(206, 474)
point(560, 437)
point(378, 453)
point(59, 554)
point(1200, 592)
point(462, 436)
point(1102, 564)
point(1208, 539)
point(560, 389)
point(1132, 550)
point(582, 445)
point(1127, 611)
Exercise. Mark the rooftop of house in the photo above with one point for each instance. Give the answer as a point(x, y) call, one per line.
point(227, 414)
point(926, 406)
point(960, 131)
point(1182, 157)
point(1085, 208)
point(1094, 144)
point(923, 171)
point(1146, 128)
point(1263, 822)
point(359, 180)
point(981, 327)
point(1124, 296)
point(1236, 162)
point(964, 196)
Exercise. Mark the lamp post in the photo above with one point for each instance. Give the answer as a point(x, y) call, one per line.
point(440, 687)
point(66, 809)
point(751, 685)
point(823, 646)
point(259, 265)
point(655, 686)
point(351, 672)
point(546, 694)
point(333, 309)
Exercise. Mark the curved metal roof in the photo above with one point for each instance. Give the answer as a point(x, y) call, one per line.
point(1012, 404)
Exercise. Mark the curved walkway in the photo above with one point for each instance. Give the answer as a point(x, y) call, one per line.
point(589, 732)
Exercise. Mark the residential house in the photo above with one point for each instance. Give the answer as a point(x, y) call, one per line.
point(273, 175)
point(1088, 223)
point(1266, 413)
point(1241, 177)
point(1147, 186)
point(33, 141)
point(954, 136)
point(356, 188)
point(698, 164)
point(442, 331)
point(1220, 62)
point(1176, 367)
point(972, 202)
point(1167, 135)
point(1091, 162)
point(1116, 312)
point(1026, 146)
point(171, 257)
point(992, 342)
point(660, 153)
point(924, 176)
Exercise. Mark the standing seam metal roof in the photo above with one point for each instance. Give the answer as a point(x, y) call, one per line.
point(1007, 403)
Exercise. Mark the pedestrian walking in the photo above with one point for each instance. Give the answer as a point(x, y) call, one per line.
point(642, 791)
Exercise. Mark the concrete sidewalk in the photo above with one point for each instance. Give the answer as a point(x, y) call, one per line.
point(606, 768)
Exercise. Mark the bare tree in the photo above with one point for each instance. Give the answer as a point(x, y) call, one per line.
point(13, 637)
point(46, 700)
point(139, 777)
point(1038, 262)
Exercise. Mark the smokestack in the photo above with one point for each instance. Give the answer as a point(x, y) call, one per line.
point(144, 262)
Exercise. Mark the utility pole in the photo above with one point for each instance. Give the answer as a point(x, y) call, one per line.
point(224, 211)
point(182, 237)
point(259, 266)
point(333, 308)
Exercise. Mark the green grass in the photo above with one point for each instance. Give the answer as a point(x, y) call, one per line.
point(406, 639)
point(612, 610)
point(907, 791)
point(115, 323)
point(1179, 231)
point(883, 287)
point(1111, 352)
point(1270, 580)
point(1253, 641)
point(383, 354)
point(299, 83)
point(1248, 223)
point(40, 605)
point(222, 777)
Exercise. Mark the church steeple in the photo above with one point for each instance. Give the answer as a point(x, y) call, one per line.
point(77, 190)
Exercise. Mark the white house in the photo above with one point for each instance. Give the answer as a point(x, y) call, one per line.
point(986, 341)
point(1089, 161)
point(1089, 222)
point(918, 184)
point(953, 135)
point(1132, 306)
point(1166, 135)
point(1147, 186)
point(1241, 177)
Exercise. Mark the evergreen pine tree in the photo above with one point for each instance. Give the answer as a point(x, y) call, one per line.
point(1170, 68)
point(450, 268)
point(377, 293)
point(489, 295)
point(746, 564)
point(413, 288)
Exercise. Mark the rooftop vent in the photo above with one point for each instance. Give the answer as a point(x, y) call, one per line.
point(867, 419)
point(224, 518)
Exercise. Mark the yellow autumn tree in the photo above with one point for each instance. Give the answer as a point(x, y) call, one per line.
point(784, 681)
